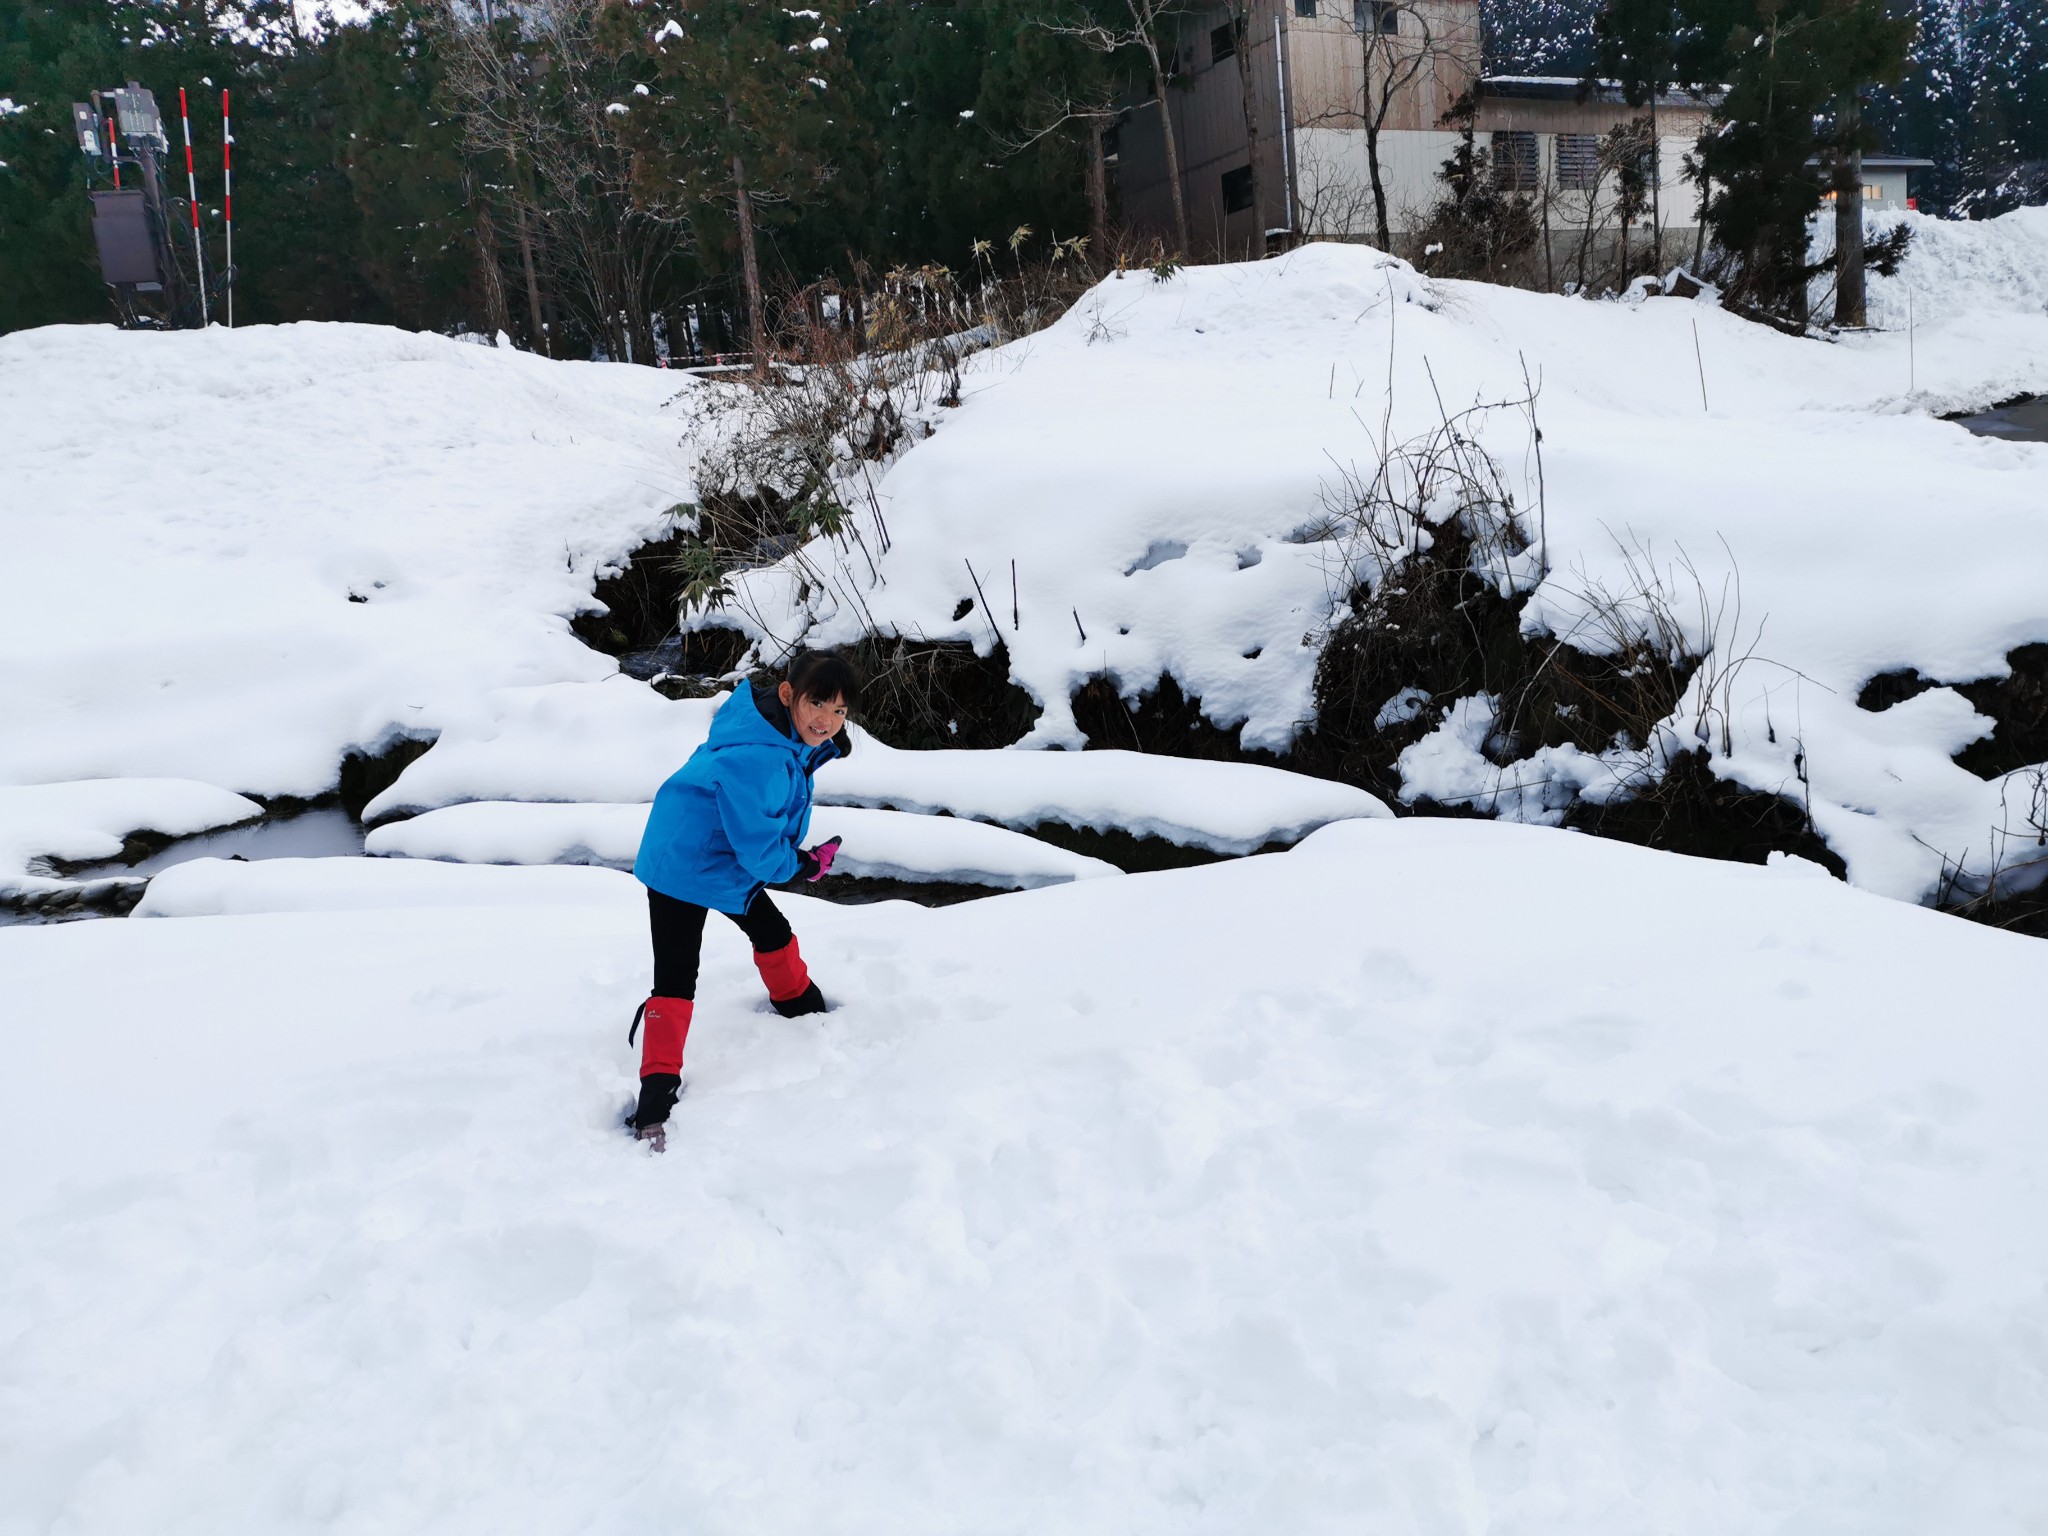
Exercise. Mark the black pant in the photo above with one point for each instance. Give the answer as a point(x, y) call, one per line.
point(678, 929)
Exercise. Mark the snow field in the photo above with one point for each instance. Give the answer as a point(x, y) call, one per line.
point(1158, 465)
point(345, 533)
point(1331, 1190)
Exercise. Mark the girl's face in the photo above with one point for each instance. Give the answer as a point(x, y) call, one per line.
point(816, 722)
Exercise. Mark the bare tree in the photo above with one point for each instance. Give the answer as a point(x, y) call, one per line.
point(1149, 18)
point(1398, 53)
point(537, 94)
point(1096, 116)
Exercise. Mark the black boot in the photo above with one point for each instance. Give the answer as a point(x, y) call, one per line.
point(649, 1119)
point(810, 1000)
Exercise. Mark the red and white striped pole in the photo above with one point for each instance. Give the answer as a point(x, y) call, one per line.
point(227, 198)
point(113, 152)
point(192, 195)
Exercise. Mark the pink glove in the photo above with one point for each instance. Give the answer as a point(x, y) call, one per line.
point(817, 862)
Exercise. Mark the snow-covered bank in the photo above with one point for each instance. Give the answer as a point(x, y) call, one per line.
point(882, 845)
point(1158, 466)
point(90, 819)
point(1332, 1190)
point(236, 556)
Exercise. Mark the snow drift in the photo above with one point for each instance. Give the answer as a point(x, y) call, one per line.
point(1332, 1190)
point(1159, 468)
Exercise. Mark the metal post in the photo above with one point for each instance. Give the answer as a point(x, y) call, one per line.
point(192, 195)
point(227, 197)
point(113, 152)
point(1286, 136)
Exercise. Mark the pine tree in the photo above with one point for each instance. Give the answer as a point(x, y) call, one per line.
point(739, 116)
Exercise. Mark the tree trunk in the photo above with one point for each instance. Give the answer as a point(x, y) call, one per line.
point(1180, 205)
point(1384, 235)
point(1656, 189)
point(536, 335)
point(1098, 192)
point(750, 270)
point(1849, 298)
point(1241, 25)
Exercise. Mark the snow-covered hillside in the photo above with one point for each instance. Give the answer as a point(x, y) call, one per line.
point(1333, 1190)
point(236, 556)
point(1158, 465)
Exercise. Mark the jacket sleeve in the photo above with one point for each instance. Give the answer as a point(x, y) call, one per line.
point(752, 819)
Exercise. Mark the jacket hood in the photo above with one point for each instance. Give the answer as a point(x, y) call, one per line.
point(755, 717)
point(740, 722)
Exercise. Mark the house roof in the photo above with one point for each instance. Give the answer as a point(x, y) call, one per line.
point(1570, 87)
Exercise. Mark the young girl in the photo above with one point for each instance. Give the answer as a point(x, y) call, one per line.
point(726, 826)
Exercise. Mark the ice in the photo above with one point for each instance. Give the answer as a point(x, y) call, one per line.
point(91, 818)
point(878, 844)
point(1434, 1176)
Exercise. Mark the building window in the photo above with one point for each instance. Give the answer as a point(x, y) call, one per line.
point(1222, 42)
point(1305, 9)
point(1516, 166)
point(1237, 189)
point(1578, 161)
point(1375, 15)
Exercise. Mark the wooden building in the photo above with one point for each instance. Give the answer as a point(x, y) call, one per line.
point(1278, 119)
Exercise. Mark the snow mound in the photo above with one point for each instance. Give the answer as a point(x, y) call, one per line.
point(300, 540)
point(1225, 807)
point(1419, 1201)
point(1159, 477)
point(607, 741)
point(230, 887)
point(878, 844)
point(90, 820)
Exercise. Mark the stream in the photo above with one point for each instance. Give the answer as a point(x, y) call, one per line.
point(2022, 421)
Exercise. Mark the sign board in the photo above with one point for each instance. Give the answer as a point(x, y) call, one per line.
point(120, 228)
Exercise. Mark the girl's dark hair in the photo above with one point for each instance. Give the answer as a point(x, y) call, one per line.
point(821, 678)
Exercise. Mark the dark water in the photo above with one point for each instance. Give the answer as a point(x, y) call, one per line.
point(2024, 421)
point(325, 833)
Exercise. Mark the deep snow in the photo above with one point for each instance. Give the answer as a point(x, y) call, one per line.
point(1432, 1177)
point(1158, 466)
point(235, 556)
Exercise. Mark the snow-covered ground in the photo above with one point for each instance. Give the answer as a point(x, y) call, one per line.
point(1430, 1178)
point(236, 556)
point(1157, 467)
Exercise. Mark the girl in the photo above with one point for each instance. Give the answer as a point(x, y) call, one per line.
point(727, 825)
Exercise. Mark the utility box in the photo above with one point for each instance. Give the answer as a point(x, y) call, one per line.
point(127, 244)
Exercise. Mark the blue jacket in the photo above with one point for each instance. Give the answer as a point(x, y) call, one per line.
point(730, 820)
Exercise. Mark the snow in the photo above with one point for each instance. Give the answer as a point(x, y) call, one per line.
point(877, 844)
point(229, 887)
point(90, 820)
point(1225, 807)
point(616, 741)
point(190, 517)
point(1159, 465)
point(1434, 1176)
point(610, 740)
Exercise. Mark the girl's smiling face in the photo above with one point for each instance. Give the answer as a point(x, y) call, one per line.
point(817, 721)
